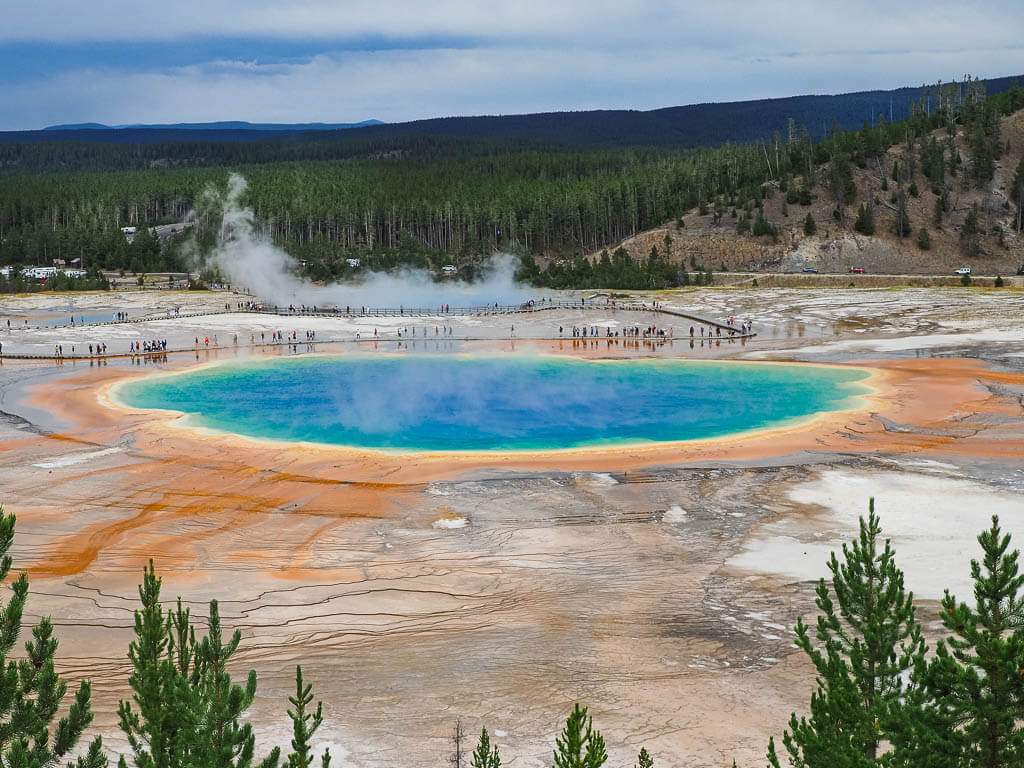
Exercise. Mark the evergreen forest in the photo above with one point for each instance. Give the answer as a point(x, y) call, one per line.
point(429, 200)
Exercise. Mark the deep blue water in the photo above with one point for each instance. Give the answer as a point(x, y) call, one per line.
point(450, 402)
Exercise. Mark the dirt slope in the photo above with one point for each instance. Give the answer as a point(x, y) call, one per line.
point(836, 247)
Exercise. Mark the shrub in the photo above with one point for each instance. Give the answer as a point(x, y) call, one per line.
point(810, 227)
point(764, 227)
point(865, 223)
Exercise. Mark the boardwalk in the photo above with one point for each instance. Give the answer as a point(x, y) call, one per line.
point(413, 312)
point(586, 304)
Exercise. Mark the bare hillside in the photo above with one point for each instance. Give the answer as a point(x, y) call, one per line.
point(837, 246)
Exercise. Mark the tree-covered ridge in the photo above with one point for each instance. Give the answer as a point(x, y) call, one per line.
point(539, 201)
point(203, 151)
point(449, 201)
point(680, 127)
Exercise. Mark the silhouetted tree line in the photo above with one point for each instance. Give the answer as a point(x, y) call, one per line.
point(616, 270)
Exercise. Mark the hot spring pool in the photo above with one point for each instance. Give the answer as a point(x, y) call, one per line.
point(452, 402)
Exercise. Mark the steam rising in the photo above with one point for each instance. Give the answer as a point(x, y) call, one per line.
point(250, 260)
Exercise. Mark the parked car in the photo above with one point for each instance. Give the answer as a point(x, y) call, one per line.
point(810, 269)
point(1021, 270)
point(964, 271)
point(857, 270)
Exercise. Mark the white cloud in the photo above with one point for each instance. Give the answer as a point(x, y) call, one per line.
point(522, 57)
point(772, 25)
point(63, 20)
point(404, 85)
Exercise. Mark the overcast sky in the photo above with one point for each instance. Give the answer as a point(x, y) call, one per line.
point(115, 61)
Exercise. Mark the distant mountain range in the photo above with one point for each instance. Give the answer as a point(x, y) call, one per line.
point(223, 125)
point(695, 125)
point(228, 131)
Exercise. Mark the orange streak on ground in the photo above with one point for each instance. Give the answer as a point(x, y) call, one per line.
point(74, 557)
point(228, 485)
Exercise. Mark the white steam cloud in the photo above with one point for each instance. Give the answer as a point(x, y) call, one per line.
point(250, 260)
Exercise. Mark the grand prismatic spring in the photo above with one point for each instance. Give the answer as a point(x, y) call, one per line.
point(519, 402)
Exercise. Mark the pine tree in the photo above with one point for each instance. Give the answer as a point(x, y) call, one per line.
point(485, 756)
point(865, 223)
point(924, 240)
point(901, 225)
point(305, 725)
point(810, 227)
point(223, 741)
point(864, 648)
point(1017, 194)
point(973, 702)
point(579, 746)
point(764, 227)
point(150, 725)
point(457, 737)
point(186, 709)
point(970, 232)
point(644, 760)
point(31, 691)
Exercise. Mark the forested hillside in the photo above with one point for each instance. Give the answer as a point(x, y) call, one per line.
point(435, 200)
point(933, 194)
point(682, 127)
point(690, 126)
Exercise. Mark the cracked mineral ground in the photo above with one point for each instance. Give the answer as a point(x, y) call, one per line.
point(658, 586)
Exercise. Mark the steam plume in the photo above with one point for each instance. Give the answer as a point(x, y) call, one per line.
point(250, 260)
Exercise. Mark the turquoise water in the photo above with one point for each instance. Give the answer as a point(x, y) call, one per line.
point(450, 402)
